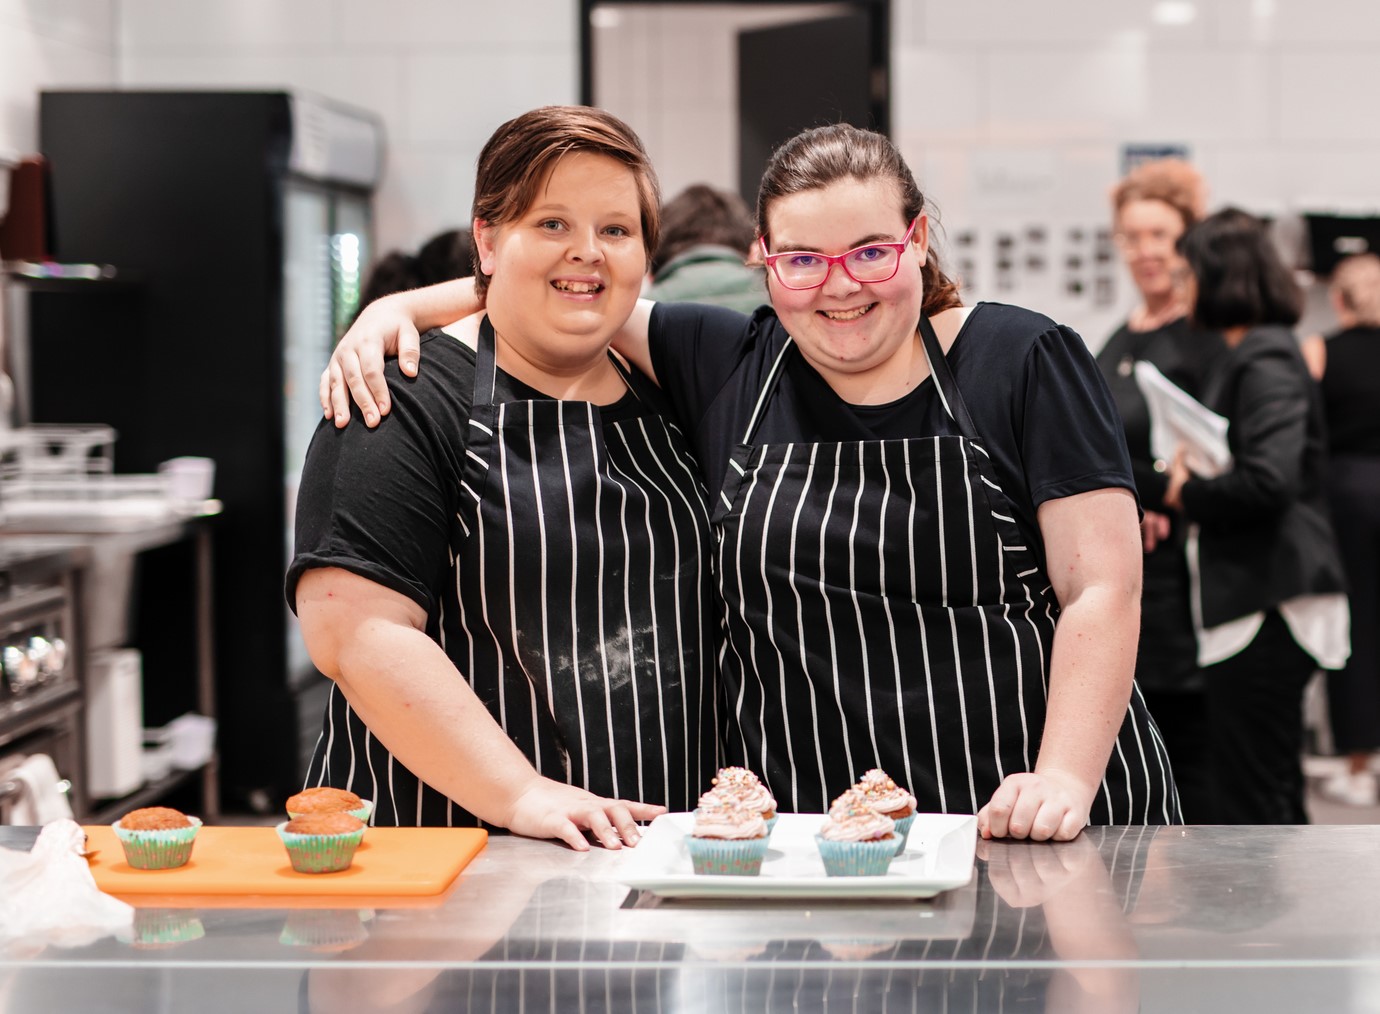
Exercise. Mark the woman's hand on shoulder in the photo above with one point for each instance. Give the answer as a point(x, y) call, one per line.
point(356, 367)
point(388, 326)
point(1037, 805)
point(551, 809)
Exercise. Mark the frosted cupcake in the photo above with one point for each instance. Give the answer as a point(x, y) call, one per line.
point(327, 799)
point(856, 840)
point(889, 798)
point(322, 842)
point(156, 837)
point(729, 837)
point(743, 784)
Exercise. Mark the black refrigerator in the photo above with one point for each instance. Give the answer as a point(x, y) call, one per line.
point(244, 222)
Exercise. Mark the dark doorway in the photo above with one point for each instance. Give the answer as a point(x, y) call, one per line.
point(796, 76)
point(713, 87)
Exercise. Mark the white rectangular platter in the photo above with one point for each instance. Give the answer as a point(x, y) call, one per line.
point(938, 857)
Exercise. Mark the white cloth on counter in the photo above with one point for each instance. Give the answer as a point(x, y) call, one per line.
point(48, 895)
point(41, 800)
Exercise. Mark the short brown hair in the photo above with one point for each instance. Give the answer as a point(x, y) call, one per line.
point(700, 215)
point(820, 156)
point(1170, 180)
point(523, 151)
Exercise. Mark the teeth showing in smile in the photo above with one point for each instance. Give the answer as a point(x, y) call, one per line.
point(847, 314)
point(581, 287)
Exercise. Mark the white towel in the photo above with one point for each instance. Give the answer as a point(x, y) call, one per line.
point(40, 798)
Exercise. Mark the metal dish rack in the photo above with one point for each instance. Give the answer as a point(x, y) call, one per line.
point(67, 471)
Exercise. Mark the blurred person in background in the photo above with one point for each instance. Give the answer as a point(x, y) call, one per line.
point(1351, 397)
point(1152, 207)
point(446, 255)
point(1268, 587)
point(706, 236)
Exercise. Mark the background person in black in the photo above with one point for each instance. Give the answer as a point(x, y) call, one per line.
point(1351, 397)
point(1152, 207)
point(909, 492)
point(506, 579)
point(1270, 603)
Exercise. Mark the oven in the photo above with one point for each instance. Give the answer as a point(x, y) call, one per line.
point(40, 671)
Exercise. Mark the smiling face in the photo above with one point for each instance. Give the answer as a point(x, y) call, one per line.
point(566, 273)
point(1146, 231)
point(847, 329)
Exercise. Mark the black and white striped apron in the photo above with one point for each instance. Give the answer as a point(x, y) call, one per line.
point(882, 609)
point(579, 607)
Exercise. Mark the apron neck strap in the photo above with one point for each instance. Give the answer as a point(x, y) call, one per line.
point(486, 366)
point(768, 388)
point(944, 381)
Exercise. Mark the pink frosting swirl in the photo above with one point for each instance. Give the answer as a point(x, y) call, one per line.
point(853, 818)
point(747, 786)
point(726, 816)
point(883, 793)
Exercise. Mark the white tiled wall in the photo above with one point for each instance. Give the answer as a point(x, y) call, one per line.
point(1013, 113)
point(49, 44)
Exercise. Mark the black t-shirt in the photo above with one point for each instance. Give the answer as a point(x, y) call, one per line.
point(382, 503)
point(1031, 386)
point(1351, 391)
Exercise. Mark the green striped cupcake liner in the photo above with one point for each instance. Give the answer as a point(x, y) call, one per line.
point(320, 853)
point(158, 850)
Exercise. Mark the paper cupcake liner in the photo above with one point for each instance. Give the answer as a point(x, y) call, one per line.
point(856, 858)
point(902, 830)
point(324, 929)
point(366, 808)
point(158, 850)
point(157, 927)
point(771, 822)
point(726, 856)
point(320, 853)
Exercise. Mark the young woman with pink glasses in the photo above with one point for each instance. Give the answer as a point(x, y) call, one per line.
point(926, 525)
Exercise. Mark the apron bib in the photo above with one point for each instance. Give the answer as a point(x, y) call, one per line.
point(882, 609)
point(580, 611)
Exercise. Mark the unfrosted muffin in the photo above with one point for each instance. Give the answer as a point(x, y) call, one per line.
point(322, 842)
point(338, 822)
point(154, 818)
point(156, 837)
point(323, 798)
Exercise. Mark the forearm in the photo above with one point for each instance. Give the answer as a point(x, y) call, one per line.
point(439, 304)
point(409, 694)
point(1092, 665)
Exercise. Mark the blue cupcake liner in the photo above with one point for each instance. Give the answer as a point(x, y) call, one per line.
point(902, 830)
point(856, 858)
point(727, 857)
point(771, 822)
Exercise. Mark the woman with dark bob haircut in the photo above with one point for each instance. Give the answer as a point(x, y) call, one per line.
point(1268, 599)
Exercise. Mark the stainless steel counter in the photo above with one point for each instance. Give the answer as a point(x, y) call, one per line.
point(1149, 920)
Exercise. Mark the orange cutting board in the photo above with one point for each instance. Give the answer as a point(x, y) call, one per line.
point(390, 862)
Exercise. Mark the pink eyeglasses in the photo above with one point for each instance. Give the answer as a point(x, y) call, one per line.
point(873, 262)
